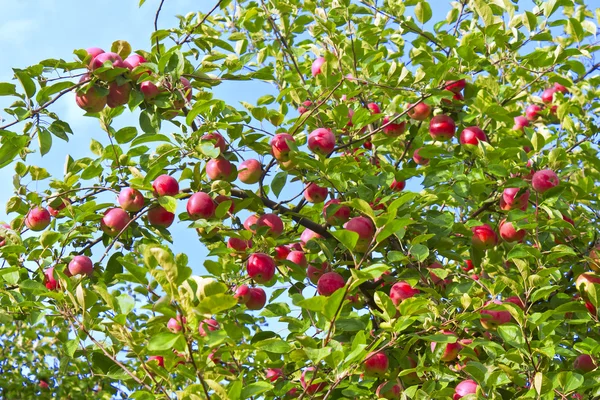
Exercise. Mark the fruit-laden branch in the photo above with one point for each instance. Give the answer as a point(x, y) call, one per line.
point(307, 223)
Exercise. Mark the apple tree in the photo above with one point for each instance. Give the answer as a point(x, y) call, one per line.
point(409, 210)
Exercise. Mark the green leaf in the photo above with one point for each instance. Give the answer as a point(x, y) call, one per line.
point(48, 238)
point(169, 203)
point(362, 206)
point(44, 140)
point(26, 82)
point(313, 303)
point(274, 345)
point(255, 388)
point(423, 12)
point(7, 89)
point(125, 135)
point(163, 341)
point(419, 252)
point(278, 182)
point(484, 11)
point(347, 238)
point(512, 335)
point(217, 303)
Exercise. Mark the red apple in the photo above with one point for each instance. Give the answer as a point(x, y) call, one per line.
point(509, 233)
point(402, 291)
point(250, 171)
point(442, 127)
point(397, 186)
point(165, 185)
point(131, 199)
point(118, 95)
point(365, 229)
point(418, 159)
point(298, 258)
point(91, 101)
point(510, 200)
point(337, 217)
point(314, 193)
point(159, 360)
point(239, 244)
point(49, 281)
point(158, 216)
point(374, 108)
point(306, 378)
point(174, 324)
point(219, 169)
point(395, 128)
point(389, 390)
point(314, 272)
point(544, 180)
point(317, 66)
point(376, 364)
point(532, 112)
point(258, 299)
point(420, 112)
point(472, 135)
point(548, 95)
point(273, 222)
point(43, 384)
point(308, 235)
point(81, 265)
point(436, 279)
point(584, 363)
point(149, 90)
point(329, 282)
point(250, 222)
point(56, 211)
point(208, 325)
point(585, 281)
point(281, 252)
point(201, 205)
point(273, 374)
point(491, 319)
point(260, 267)
point(217, 139)
point(94, 52)
point(304, 107)
point(469, 266)
point(594, 256)
point(484, 237)
point(465, 388)
point(456, 86)
point(321, 141)
point(184, 95)
point(520, 123)
point(516, 300)
point(37, 219)
point(109, 58)
point(280, 148)
point(134, 61)
point(451, 350)
point(242, 294)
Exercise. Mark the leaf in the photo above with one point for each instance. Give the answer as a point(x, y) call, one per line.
point(169, 203)
point(26, 82)
point(484, 11)
point(255, 388)
point(276, 346)
point(7, 89)
point(163, 341)
point(313, 303)
point(44, 140)
point(217, 303)
point(512, 335)
point(362, 206)
point(125, 135)
point(419, 252)
point(346, 237)
point(423, 11)
point(48, 238)
point(122, 48)
point(278, 182)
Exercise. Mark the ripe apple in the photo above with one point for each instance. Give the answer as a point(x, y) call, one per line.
point(469, 266)
point(49, 281)
point(484, 237)
point(548, 95)
point(217, 139)
point(516, 300)
point(149, 90)
point(491, 319)
point(201, 205)
point(174, 324)
point(418, 159)
point(131, 199)
point(420, 112)
point(111, 59)
point(281, 252)
point(158, 216)
point(456, 86)
point(510, 200)
point(306, 378)
point(317, 66)
point(465, 388)
point(37, 219)
point(308, 235)
point(436, 279)
point(584, 282)
point(238, 244)
point(298, 258)
point(472, 135)
point(304, 107)
point(509, 233)
point(91, 100)
point(273, 374)
point(250, 171)
point(315, 194)
point(260, 267)
point(165, 185)
point(544, 180)
point(94, 52)
point(532, 112)
point(159, 360)
point(250, 222)
point(397, 186)
point(365, 229)
point(219, 169)
point(442, 127)
point(389, 390)
point(594, 256)
point(584, 363)
point(329, 282)
point(258, 299)
point(280, 148)
point(376, 364)
point(394, 128)
point(520, 123)
point(402, 291)
point(43, 384)
point(118, 95)
point(321, 141)
point(273, 222)
point(81, 265)
point(208, 325)
point(450, 351)
point(242, 294)
point(61, 206)
point(337, 217)
point(314, 272)
point(183, 95)
point(374, 108)
point(134, 61)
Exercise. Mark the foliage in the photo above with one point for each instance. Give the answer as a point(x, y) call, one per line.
point(100, 331)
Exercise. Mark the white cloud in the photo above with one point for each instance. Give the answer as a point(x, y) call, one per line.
point(17, 30)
